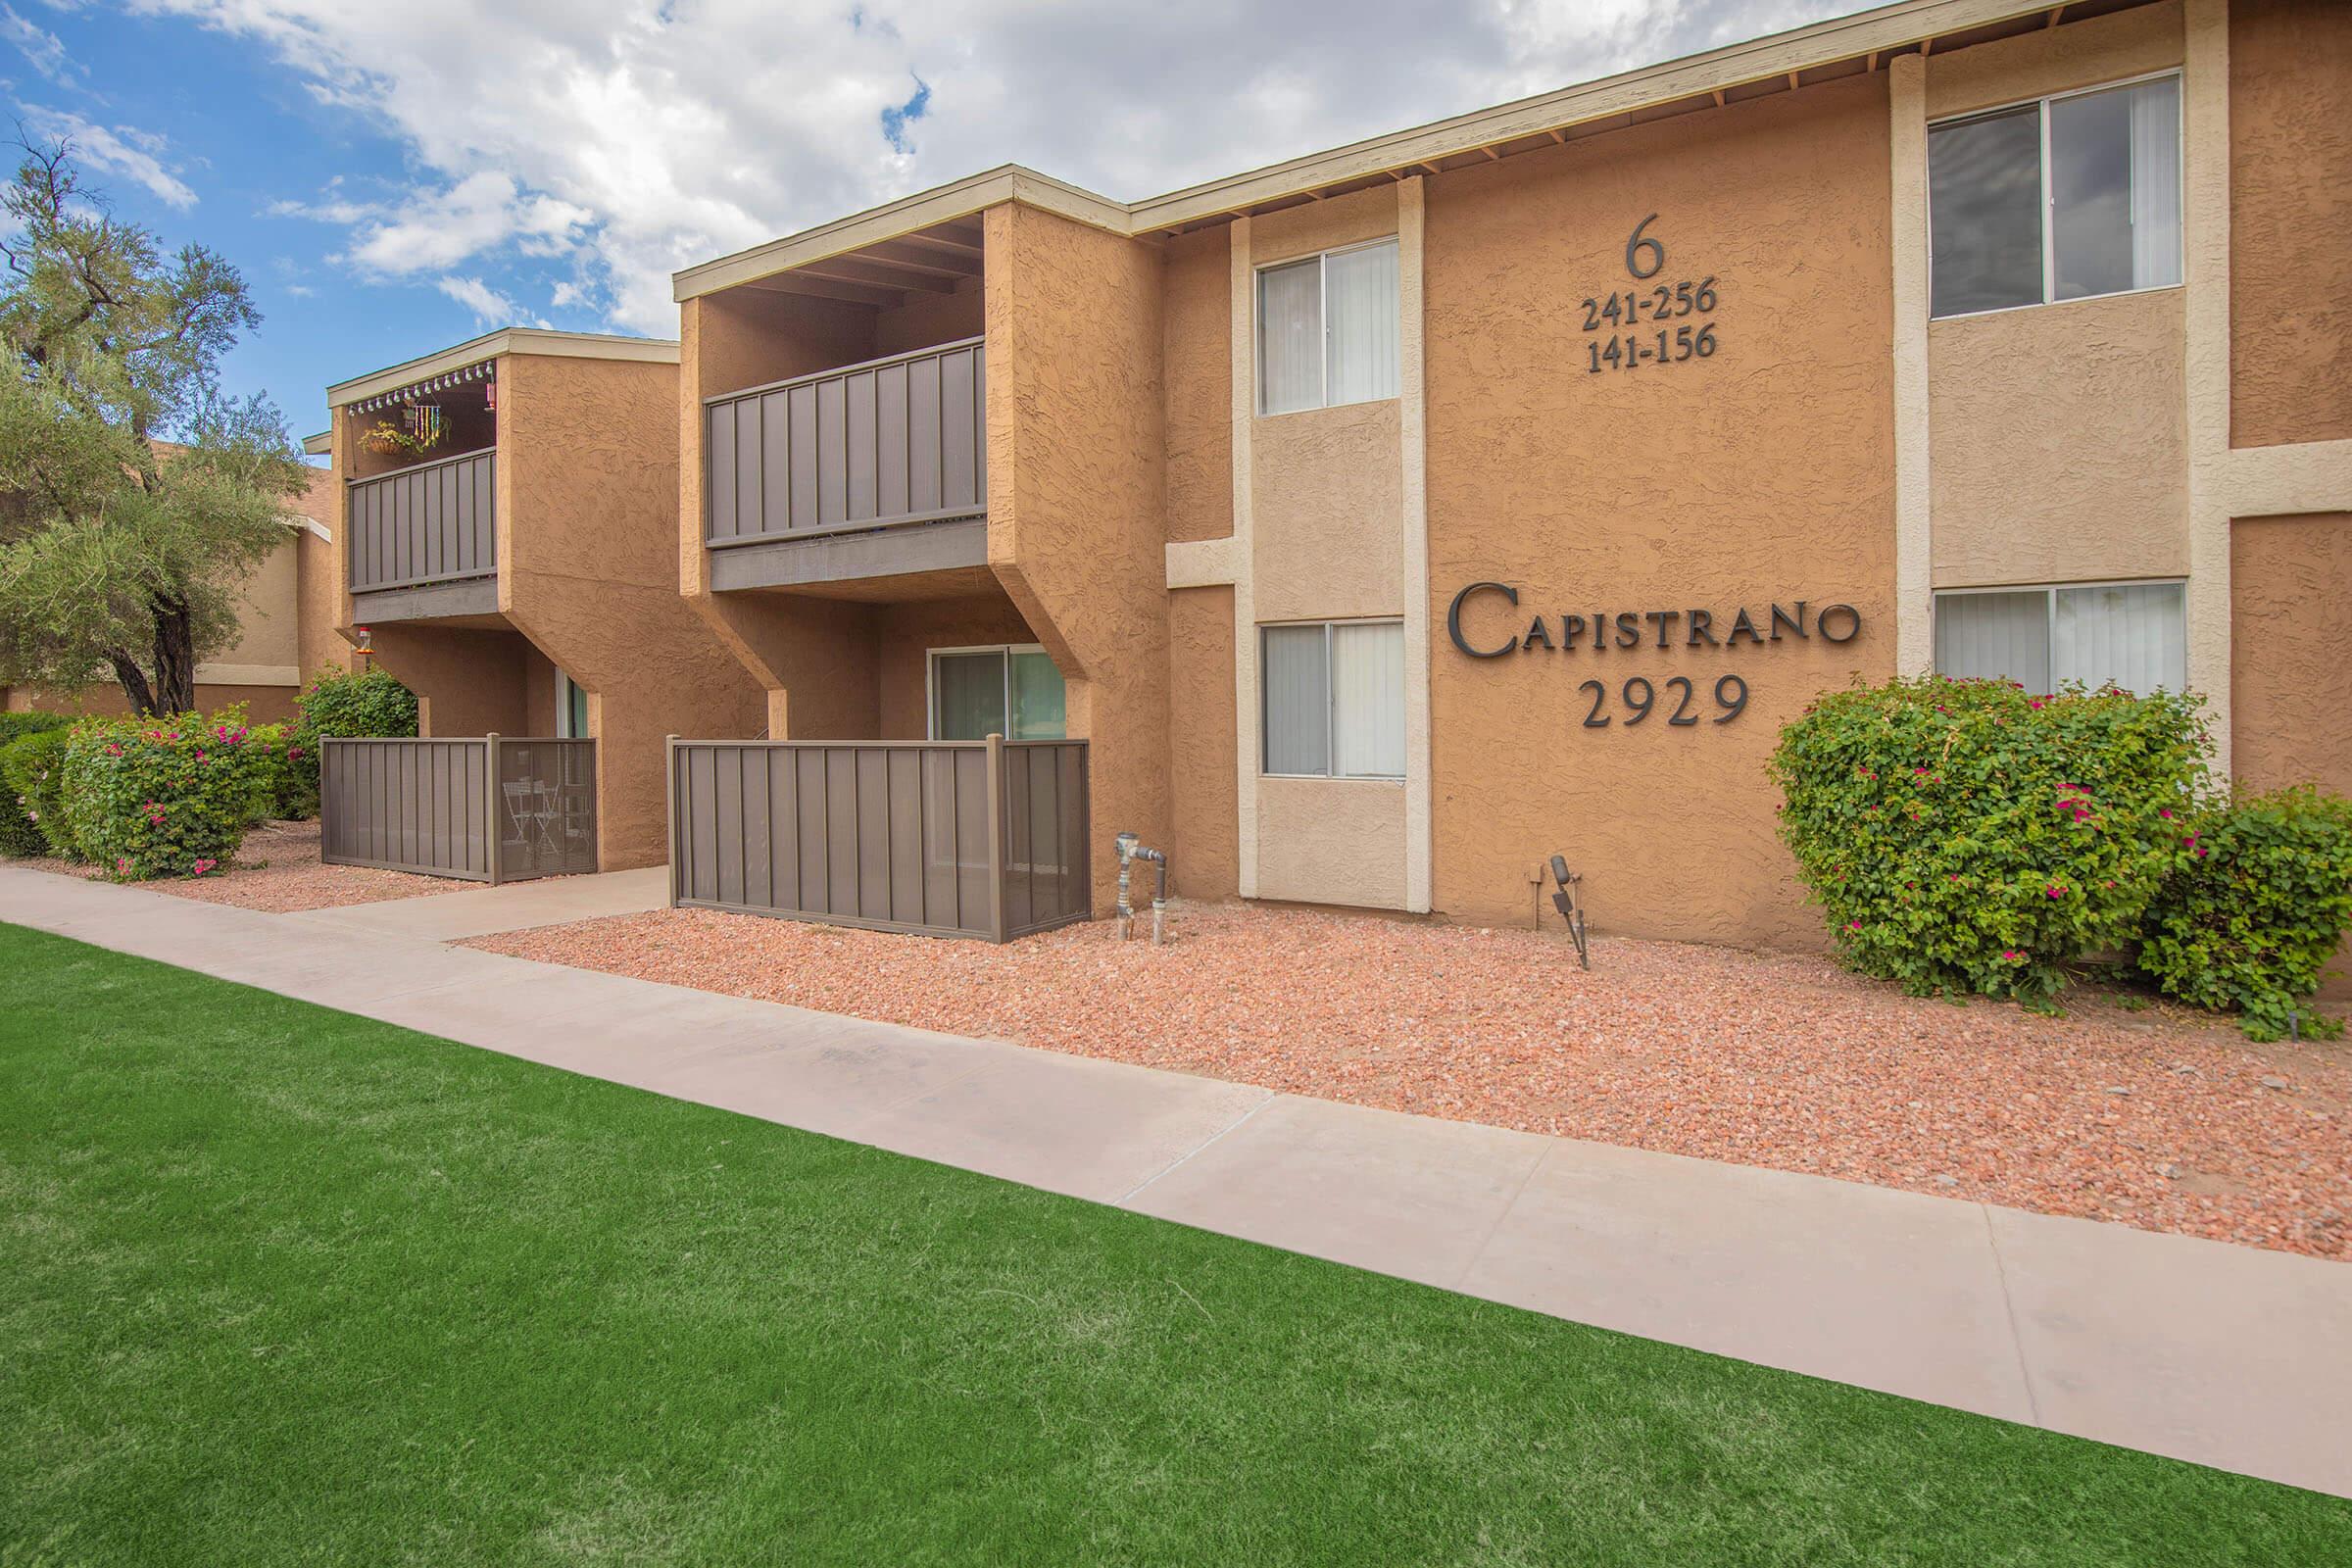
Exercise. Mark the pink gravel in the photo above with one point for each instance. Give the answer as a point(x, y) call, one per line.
point(2122, 1109)
point(278, 871)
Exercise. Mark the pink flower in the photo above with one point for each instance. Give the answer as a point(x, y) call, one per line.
point(2057, 892)
point(2014, 958)
point(2200, 851)
point(113, 749)
point(2167, 815)
point(1853, 925)
point(202, 867)
point(1955, 876)
point(2035, 704)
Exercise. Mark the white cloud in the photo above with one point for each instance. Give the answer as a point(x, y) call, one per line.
point(633, 137)
point(136, 155)
point(490, 308)
point(44, 50)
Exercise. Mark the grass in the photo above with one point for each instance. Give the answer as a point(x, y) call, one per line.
point(280, 1284)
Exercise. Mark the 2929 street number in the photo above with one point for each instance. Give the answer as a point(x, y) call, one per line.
point(1622, 313)
point(1640, 697)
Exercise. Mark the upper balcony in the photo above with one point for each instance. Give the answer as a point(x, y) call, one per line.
point(842, 403)
point(870, 469)
point(420, 493)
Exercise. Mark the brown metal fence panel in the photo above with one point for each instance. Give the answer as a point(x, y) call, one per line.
point(946, 838)
point(903, 439)
point(485, 809)
point(546, 808)
point(435, 522)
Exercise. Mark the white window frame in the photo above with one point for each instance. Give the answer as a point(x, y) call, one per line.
point(2050, 227)
point(931, 658)
point(1331, 701)
point(564, 687)
point(2049, 592)
point(1258, 323)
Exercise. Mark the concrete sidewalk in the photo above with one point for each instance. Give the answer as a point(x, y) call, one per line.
point(2226, 1356)
point(509, 907)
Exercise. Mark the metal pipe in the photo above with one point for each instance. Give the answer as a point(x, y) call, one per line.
point(1131, 848)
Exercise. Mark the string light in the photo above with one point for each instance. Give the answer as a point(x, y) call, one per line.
point(482, 372)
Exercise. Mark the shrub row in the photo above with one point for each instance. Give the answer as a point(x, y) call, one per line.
point(1971, 837)
point(173, 797)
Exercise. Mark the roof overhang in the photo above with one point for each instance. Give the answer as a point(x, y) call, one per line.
point(321, 445)
point(492, 345)
point(1758, 68)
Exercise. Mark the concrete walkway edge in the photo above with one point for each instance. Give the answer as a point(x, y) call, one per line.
point(2226, 1356)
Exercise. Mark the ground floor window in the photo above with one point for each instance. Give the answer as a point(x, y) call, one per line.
point(1333, 698)
point(2133, 634)
point(1011, 691)
point(571, 709)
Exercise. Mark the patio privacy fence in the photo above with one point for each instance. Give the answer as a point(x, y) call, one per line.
point(947, 838)
point(486, 809)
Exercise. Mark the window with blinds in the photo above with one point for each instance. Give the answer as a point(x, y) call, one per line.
point(1327, 329)
point(2060, 199)
point(2133, 635)
point(1333, 700)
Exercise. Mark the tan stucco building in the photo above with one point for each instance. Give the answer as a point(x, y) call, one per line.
point(1968, 334)
point(519, 572)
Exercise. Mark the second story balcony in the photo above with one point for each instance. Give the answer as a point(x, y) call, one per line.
point(422, 527)
point(878, 468)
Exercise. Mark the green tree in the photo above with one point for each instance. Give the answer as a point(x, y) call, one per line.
point(136, 498)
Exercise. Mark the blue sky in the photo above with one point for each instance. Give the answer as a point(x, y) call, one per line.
point(395, 179)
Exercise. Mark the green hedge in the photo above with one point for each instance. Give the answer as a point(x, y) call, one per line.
point(170, 797)
point(32, 771)
point(342, 703)
point(15, 726)
point(1970, 836)
point(2255, 900)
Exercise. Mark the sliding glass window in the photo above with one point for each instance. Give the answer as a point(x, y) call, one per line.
point(2060, 199)
point(1327, 329)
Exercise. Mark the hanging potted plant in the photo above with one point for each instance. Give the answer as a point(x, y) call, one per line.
point(426, 427)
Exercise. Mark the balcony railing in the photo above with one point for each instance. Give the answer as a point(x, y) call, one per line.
point(898, 440)
point(434, 522)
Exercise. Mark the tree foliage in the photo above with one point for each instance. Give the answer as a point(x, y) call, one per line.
point(136, 498)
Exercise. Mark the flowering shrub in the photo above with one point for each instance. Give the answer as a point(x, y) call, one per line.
point(32, 782)
point(2255, 899)
point(163, 797)
point(1967, 836)
point(339, 703)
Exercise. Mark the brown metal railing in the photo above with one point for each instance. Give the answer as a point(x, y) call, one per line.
point(949, 838)
point(484, 807)
point(434, 522)
point(897, 440)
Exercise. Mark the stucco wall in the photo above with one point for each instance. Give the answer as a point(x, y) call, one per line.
point(1198, 356)
point(1613, 492)
point(929, 316)
point(2290, 222)
point(2058, 441)
point(268, 615)
point(2081, 54)
point(2290, 591)
point(1203, 835)
point(1076, 533)
point(587, 571)
point(264, 705)
point(1331, 841)
point(468, 681)
point(1327, 494)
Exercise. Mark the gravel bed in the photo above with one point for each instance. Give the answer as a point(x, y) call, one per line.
point(278, 871)
point(2123, 1110)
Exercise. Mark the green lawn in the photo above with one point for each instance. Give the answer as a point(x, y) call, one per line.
point(284, 1286)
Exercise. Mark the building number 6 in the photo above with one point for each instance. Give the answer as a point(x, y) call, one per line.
point(1657, 251)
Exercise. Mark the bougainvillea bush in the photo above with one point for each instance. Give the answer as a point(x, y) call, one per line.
point(341, 703)
point(163, 797)
point(2254, 903)
point(1970, 837)
point(33, 780)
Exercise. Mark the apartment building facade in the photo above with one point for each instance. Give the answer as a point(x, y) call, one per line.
point(505, 546)
point(1391, 520)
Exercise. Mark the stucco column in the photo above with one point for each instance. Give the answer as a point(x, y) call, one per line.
point(1914, 568)
point(2205, 274)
